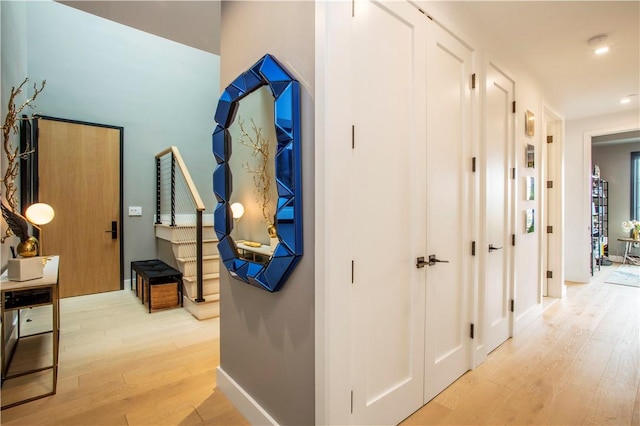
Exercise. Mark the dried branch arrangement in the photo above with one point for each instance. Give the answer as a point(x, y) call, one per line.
point(261, 172)
point(13, 154)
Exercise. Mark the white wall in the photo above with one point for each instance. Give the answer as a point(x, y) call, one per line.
point(577, 185)
point(162, 93)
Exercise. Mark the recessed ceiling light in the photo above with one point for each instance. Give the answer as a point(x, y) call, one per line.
point(627, 99)
point(598, 44)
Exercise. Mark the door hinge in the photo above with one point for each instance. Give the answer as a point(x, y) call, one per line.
point(513, 173)
point(513, 305)
point(352, 271)
point(513, 108)
point(549, 274)
point(513, 239)
point(549, 229)
point(471, 334)
point(473, 248)
point(473, 80)
point(353, 137)
point(351, 402)
point(550, 139)
point(473, 164)
point(549, 184)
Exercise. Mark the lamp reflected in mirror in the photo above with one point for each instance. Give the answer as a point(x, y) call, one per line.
point(237, 210)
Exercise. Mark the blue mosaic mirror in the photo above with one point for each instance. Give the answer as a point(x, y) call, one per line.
point(256, 144)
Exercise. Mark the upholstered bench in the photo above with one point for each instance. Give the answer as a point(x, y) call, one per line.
point(163, 283)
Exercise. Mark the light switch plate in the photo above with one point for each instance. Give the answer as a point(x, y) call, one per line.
point(135, 211)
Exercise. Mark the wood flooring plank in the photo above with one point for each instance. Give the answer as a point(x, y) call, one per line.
point(433, 413)
point(613, 404)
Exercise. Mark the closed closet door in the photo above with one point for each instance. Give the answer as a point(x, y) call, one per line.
point(410, 198)
point(387, 211)
point(450, 213)
point(498, 141)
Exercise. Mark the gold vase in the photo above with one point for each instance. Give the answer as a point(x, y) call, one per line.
point(635, 234)
point(28, 248)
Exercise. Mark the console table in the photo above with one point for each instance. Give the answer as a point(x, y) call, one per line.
point(627, 249)
point(24, 295)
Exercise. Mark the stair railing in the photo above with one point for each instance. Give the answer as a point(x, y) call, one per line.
point(178, 203)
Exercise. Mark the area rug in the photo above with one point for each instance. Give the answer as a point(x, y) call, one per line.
point(625, 275)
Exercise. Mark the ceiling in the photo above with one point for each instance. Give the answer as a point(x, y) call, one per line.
point(551, 39)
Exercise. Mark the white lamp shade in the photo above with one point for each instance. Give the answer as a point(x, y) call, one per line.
point(39, 213)
point(237, 209)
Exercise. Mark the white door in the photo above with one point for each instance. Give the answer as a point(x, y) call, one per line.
point(498, 214)
point(449, 211)
point(410, 198)
point(551, 210)
point(387, 211)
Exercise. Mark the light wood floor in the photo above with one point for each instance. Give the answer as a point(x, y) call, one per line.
point(120, 365)
point(579, 363)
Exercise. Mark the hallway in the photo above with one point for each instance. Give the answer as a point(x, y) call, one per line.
point(579, 363)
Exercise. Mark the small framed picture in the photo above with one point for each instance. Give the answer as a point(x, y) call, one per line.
point(530, 158)
point(529, 123)
point(530, 188)
point(529, 215)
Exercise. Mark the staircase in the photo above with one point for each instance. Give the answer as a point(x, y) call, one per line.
point(184, 251)
point(179, 220)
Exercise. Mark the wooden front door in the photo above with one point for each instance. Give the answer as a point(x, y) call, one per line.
point(79, 175)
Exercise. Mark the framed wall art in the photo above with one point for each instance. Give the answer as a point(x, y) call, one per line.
point(530, 156)
point(529, 215)
point(530, 188)
point(529, 123)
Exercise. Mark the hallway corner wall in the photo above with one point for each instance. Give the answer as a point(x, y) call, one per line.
point(267, 349)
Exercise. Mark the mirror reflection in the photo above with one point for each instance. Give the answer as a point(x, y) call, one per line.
point(252, 163)
point(257, 180)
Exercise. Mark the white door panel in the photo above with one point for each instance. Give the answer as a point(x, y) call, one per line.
point(498, 140)
point(448, 211)
point(387, 211)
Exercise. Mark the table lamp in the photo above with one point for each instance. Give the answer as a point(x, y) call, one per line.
point(39, 214)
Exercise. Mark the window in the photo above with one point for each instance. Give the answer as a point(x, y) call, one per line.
point(635, 185)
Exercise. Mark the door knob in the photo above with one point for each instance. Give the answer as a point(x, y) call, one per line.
point(492, 248)
point(114, 230)
point(420, 262)
point(433, 260)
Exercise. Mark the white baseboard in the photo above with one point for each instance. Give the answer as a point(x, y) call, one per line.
point(617, 259)
point(249, 407)
point(127, 284)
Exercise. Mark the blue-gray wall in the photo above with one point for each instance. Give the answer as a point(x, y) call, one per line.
point(163, 93)
point(267, 339)
point(13, 52)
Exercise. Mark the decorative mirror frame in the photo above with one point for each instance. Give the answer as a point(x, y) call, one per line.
point(285, 89)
